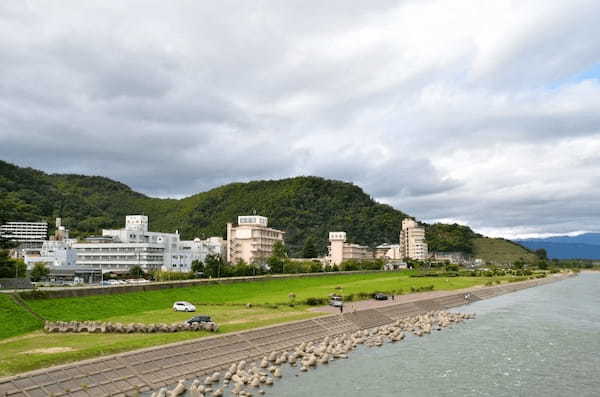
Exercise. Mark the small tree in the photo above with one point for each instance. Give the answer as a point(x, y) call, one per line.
point(451, 267)
point(519, 264)
point(541, 254)
point(278, 258)
point(197, 266)
point(39, 271)
point(279, 250)
point(292, 298)
point(136, 271)
point(309, 250)
point(542, 264)
point(11, 268)
point(21, 268)
point(213, 265)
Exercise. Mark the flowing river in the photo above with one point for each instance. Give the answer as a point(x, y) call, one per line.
point(542, 341)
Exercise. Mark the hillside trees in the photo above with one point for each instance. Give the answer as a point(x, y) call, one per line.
point(309, 250)
point(454, 237)
point(304, 207)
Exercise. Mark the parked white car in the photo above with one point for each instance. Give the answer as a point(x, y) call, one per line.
point(184, 307)
point(336, 301)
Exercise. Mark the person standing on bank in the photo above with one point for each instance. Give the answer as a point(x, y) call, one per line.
point(341, 308)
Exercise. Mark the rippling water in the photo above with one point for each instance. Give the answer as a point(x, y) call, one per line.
point(543, 341)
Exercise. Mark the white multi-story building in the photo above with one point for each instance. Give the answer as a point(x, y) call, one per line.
point(53, 253)
point(121, 249)
point(412, 240)
point(56, 252)
point(200, 249)
point(28, 235)
point(251, 240)
point(25, 231)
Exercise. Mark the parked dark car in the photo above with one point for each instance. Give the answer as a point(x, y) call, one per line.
point(380, 297)
point(199, 319)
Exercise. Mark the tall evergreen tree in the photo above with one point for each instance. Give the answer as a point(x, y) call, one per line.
point(309, 250)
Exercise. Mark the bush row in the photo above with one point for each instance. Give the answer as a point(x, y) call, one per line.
point(319, 301)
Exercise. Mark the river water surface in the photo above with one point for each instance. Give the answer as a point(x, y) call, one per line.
point(542, 341)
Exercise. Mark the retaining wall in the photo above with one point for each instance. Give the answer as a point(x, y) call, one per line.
point(148, 369)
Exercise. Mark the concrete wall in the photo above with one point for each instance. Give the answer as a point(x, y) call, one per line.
point(15, 283)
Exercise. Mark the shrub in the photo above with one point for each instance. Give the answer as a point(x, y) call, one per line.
point(515, 279)
point(315, 301)
point(160, 275)
point(422, 289)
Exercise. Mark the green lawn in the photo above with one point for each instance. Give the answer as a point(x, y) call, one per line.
point(264, 292)
point(22, 350)
point(14, 319)
point(38, 349)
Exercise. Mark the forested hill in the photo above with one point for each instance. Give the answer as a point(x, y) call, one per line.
point(305, 207)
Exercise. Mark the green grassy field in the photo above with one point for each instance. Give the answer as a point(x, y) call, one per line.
point(265, 292)
point(14, 319)
point(38, 350)
point(22, 350)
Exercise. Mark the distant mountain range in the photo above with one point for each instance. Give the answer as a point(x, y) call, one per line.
point(584, 246)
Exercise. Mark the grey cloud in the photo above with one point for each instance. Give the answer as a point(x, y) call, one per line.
point(457, 120)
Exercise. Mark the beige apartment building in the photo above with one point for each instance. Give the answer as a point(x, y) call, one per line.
point(412, 240)
point(251, 240)
point(340, 250)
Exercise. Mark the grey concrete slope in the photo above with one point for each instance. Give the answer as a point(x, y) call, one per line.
point(128, 374)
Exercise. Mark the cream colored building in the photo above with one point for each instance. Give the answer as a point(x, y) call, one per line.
point(412, 240)
point(251, 240)
point(388, 251)
point(340, 250)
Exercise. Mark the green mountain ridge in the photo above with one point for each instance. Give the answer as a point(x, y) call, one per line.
point(303, 206)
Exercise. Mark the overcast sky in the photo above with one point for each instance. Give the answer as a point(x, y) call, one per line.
point(484, 113)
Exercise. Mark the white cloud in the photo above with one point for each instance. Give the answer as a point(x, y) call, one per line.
point(462, 110)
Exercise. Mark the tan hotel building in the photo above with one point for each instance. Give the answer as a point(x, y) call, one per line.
point(251, 240)
point(412, 240)
point(340, 250)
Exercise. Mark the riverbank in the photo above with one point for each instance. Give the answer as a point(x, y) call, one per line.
point(536, 342)
point(227, 304)
point(151, 368)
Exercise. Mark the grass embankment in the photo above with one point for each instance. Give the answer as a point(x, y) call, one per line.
point(38, 350)
point(501, 251)
point(14, 319)
point(264, 292)
point(224, 302)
